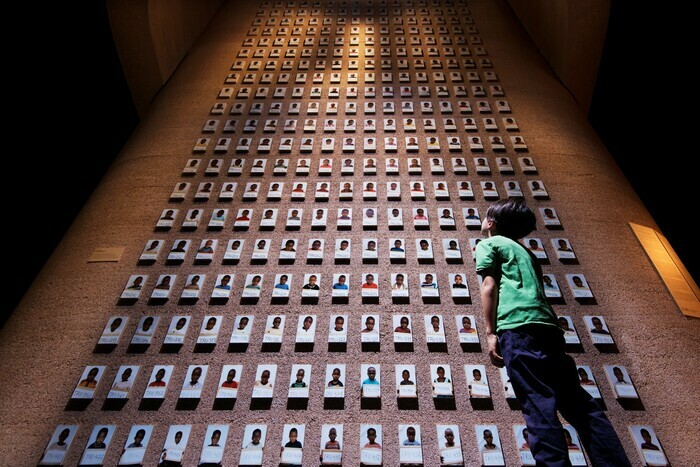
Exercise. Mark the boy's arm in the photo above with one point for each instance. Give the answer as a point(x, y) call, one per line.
point(489, 303)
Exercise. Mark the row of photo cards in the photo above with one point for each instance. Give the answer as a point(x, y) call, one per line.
point(370, 438)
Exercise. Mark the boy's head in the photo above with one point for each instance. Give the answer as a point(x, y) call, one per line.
point(510, 218)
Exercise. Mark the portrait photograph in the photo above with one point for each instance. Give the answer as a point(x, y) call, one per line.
point(370, 284)
point(370, 328)
point(241, 329)
point(621, 382)
point(441, 378)
point(113, 330)
point(513, 189)
point(369, 191)
point(458, 284)
point(598, 330)
point(151, 250)
point(123, 382)
point(192, 165)
point(193, 285)
point(236, 167)
point(180, 191)
point(87, 384)
point(574, 446)
point(551, 286)
point(179, 249)
point(505, 167)
point(522, 440)
point(451, 250)
point(410, 444)
point(158, 382)
point(648, 445)
point(299, 381)
point(428, 284)
point(209, 330)
point(341, 285)
point(265, 376)
point(371, 444)
point(143, 334)
point(434, 329)
point(253, 285)
point(449, 444)
point(403, 332)
point(292, 444)
point(465, 190)
point(337, 328)
point(370, 377)
point(537, 189)
point(489, 445)
point(97, 444)
point(136, 444)
point(261, 250)
point(242, 219)
point(579, 286)
point(214, 444)
point(252, 189)
point(348, 166)
point(391, 167)
point(229, 382)
point(166, 219)
point(58, 445)
point(133, 287)
point(527, 165)
point(587, 381)
point(566, 324)
point(420, 218)
point(488, 188)
point(562, 248)
point(214, 167)
point(206, 249)
point(331, 444)
point(414, 166)
point(194, 381)
point(441, 191)
point(549, 217)
point(177, 330)
point(335, 381)
point(222, 286)
point(535, 246)
point(477, 382)
point(274, 329)
point(175, 444)
point(405, 380)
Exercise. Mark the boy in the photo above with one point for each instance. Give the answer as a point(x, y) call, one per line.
point(524, 326)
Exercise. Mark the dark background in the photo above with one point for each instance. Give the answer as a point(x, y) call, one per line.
point(65, 69)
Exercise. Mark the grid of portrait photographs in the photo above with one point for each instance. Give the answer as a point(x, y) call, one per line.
point(346, 161)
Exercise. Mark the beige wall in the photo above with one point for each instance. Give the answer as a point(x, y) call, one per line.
point(152, 37)
point(570, 35)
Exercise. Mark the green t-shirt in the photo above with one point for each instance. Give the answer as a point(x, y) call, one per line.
point(521, 298)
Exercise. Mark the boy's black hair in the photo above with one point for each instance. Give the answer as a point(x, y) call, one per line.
point(512, 217)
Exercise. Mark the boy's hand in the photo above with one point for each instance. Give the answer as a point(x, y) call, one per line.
point(494, 354)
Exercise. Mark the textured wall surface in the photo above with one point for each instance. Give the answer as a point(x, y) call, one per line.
point(50, 338)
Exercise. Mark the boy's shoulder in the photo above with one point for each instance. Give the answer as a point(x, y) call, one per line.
point(498, 241)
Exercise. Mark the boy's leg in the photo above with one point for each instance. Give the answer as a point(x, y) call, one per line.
point(530, 367)
point(580, 409)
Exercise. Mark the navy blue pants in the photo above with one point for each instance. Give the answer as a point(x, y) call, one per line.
point(545, 380)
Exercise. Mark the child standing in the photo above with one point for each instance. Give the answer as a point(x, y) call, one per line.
point(523, 334)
